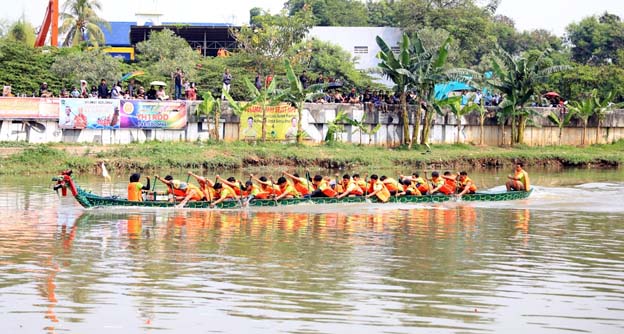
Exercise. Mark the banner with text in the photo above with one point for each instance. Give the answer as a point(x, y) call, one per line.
point(281, 123)
point(153, 114)
point(89, 114)
point(28, 107)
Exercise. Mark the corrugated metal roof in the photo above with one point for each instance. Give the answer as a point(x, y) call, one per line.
point(119, 34)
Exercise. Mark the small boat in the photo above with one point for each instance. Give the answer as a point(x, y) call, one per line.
point(90, 200)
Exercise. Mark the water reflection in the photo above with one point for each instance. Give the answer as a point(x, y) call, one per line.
point(452, 267)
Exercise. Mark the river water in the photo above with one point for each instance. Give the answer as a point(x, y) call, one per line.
point(553, 263)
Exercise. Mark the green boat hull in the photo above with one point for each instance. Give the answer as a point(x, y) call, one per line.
point(90, 200)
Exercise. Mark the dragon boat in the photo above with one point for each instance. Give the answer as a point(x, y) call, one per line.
point(90, 200)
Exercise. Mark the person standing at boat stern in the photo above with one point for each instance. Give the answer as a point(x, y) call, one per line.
point(520, 180)
point(135, 188)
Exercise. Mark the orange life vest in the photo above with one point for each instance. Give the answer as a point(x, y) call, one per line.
point(289, 190)
point(352, 188)
point(383, 194)
point(391, 184)
point(462, 185)
point(134, 191)
point(302, 186)
point(326, 189)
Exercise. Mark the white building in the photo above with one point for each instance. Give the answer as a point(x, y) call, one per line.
point(360, 42)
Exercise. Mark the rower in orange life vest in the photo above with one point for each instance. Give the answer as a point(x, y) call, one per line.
point(465, 184)
point(520, 180)
point(391, 184)
point(252, 191)
point(408, 188)
point(445, 184)
point(271, 189)
point(206, 185)
point(224, 193)
point(181, 190)
point(361, 183)
point(349, 188)
point(378, 188)
point(302, 184)
point(418, 182)
point(322, 188)
point(233, 183)
point(135, 188)
point(286, 189)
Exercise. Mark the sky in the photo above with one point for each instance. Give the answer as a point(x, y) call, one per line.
point(552, 15)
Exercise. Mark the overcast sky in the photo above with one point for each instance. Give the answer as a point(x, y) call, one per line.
point(552, 15)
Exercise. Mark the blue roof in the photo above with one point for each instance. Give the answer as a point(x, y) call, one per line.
point(119, 34)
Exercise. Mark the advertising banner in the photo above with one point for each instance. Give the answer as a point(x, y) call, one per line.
point(28, 108)
point(144, 114)
point(281, 123)
point(89, 114)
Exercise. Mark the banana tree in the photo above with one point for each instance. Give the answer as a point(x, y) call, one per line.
point(517, 78)
point(363, 128)
point(455, 106)
point(601, 108)
point(583, 110)
point(336, 126)
point(561, 120)
point(297, 95)
point(399, 70)
point(428, 68)
point(210, 107)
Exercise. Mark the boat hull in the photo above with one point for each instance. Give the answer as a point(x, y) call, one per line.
point(90, 200)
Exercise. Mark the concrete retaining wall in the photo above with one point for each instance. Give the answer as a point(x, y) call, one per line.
point(316, 118)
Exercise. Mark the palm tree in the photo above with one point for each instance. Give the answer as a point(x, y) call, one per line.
point(297, 95)
point(81, 22)
point(517, 78)
point(398, 69)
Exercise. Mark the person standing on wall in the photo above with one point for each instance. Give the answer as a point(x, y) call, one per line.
point(177, 80)
point(103, 90)
point(227, 79)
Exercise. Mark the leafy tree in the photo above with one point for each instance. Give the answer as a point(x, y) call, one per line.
point(380, 13)
point(268, 41)
point(24, 68)
point(81, 23)
point(317, 56)
point(90, 65)
point(597, 40)
point(297, 95)
point(573, 85)
point(517, 78)
point(163, 53)
point(348, 13)
point(22, 32)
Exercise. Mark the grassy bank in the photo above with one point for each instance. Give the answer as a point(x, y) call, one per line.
point(50, 158)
